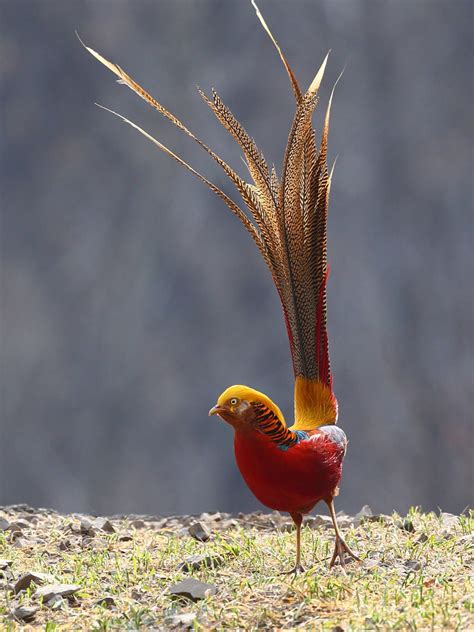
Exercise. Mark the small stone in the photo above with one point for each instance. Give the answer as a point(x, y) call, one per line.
point(230, 523)
point(199, 532)
point(216, 516)
point(337, 628)
point(421, 538)
point(28, 578)
point(5, 564)
point(183, 532)
point(193, 589)
point(413, 565)
point(87, 541)
point(448, 519)
point(184, 620)
point(125, 537)
point(19, 525)
point(24, 507)
point(86, 527)
point(365, 512)
point(375, 553)
point(196, 562)
point(55, 602)
point(15, 534)
point(25, 613)
point(65, 545)
point(318, 521)
point(136, 594)
point(103, 524)
point(138, 524)
point(380, 518)
point(51, 590)
point(107, 601)
point(372, 563)
point(32, 519)
point(4, 524)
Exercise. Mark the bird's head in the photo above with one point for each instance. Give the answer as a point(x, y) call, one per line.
point(238, 406)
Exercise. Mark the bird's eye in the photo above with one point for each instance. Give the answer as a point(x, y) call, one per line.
point(233, 401)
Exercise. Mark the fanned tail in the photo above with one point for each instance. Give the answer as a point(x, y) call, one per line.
point(287, 219)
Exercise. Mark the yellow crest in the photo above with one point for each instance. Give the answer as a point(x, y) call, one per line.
point(250, 395)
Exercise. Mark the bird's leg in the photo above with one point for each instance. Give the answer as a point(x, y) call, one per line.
point(340, 546)
point(298, 568)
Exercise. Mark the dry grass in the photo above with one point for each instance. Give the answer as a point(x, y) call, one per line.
point(409, 580)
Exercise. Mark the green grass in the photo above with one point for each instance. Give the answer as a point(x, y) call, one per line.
point(407, 581)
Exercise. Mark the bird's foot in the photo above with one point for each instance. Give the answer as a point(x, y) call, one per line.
point(340, 548)
point(296, 570)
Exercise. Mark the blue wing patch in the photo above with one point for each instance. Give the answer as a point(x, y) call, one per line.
point(301, 435)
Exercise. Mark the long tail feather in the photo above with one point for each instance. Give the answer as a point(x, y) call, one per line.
point(287, 219)
point(238, 212)
point(291, 75)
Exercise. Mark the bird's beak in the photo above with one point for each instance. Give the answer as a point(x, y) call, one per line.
point(216, 410)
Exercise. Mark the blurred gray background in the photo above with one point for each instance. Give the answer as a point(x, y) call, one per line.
point(131, 297)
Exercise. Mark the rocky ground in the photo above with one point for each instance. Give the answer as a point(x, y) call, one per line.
point(221, 571)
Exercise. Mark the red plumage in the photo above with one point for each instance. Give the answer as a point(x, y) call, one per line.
point(293, 480)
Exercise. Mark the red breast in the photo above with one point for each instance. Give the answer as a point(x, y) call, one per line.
point(293, 480)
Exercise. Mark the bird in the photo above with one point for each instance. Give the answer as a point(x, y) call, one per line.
point(287, 468)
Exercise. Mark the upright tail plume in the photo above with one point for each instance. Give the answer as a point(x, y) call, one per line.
point(287, 219)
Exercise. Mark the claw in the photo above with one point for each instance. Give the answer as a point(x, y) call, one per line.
point(340, 548)
point(296, 570)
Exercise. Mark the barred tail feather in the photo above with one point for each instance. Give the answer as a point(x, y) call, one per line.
point(286, 218)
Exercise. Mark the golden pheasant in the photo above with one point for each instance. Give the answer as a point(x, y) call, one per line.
point(287, 469)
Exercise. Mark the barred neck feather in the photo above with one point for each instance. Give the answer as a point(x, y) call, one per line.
point(287, 219)
point(269, 424)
